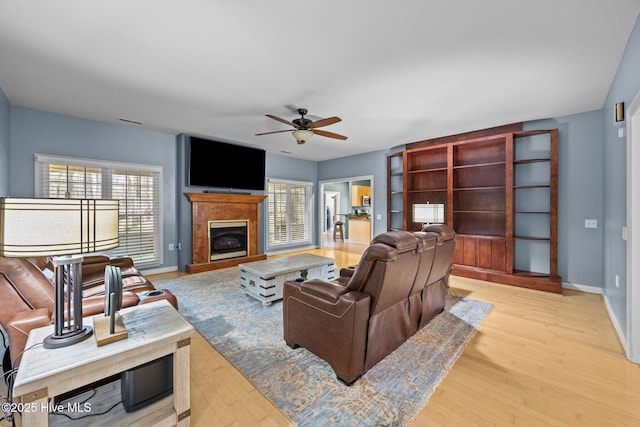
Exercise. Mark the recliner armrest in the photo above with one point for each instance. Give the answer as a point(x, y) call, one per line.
point(328, 291)
point(348, 271)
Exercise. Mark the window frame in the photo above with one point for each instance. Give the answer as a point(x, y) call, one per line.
point(42, 185)
point(309, 206)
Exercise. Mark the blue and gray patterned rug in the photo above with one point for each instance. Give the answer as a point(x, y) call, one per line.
point(302, 385)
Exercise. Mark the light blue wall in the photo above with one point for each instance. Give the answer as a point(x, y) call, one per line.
point(5, 135)
point(34, 131)
point(580, 195)
point(373, 163)
point(625, 87)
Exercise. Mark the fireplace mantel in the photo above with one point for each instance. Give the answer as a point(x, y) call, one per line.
point(207, 207)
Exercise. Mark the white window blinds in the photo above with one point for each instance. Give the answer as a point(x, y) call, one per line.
point(289, 213)
point(136, 187)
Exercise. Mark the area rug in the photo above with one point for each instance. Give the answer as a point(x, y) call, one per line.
point(302, 385)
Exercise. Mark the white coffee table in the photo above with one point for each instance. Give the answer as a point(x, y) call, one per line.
point(264, 280)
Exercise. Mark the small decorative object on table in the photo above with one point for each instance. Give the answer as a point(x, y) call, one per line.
point(110, 328)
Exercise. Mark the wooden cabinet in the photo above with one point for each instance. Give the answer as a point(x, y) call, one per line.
point(500, 195)
point(359, 231)
point(358, 192)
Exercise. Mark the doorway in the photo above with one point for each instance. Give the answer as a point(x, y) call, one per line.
point(332, 207)
point(344, 207)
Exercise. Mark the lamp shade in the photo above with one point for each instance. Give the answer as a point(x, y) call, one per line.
point(428, 213)
point(50, 227)
point(302, 135)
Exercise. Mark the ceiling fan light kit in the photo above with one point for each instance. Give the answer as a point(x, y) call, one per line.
point(302, 135)
point(305, 128)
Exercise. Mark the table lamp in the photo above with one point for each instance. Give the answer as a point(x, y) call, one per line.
point(428, 213)
point(61, 229)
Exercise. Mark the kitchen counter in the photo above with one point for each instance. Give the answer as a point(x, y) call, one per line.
point(359, 217)
point(359, 230)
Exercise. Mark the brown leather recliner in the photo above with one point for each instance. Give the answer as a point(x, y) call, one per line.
point(27, 297)
point(433, 296)
point(353, 322)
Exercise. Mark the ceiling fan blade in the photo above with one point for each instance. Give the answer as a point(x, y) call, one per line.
point(329, 134)
point(275, 131)
point(325, 122)
point(286, 122)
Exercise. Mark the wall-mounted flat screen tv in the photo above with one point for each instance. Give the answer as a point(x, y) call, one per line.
point(223, 165)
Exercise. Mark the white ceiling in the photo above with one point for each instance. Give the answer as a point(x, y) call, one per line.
point(394, 71)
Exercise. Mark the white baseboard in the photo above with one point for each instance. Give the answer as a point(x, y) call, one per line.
point(616, 325)
point(614, 321)
point(582, 288)
point(152, 271)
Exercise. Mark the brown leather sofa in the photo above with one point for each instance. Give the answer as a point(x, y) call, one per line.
point(353, 322)
point(27, 294)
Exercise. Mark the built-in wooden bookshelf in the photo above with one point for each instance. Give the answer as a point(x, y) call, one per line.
point(499, 188)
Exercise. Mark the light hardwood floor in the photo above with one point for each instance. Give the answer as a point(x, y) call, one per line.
point(539, 359)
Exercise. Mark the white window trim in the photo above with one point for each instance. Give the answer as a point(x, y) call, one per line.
point(311, 207)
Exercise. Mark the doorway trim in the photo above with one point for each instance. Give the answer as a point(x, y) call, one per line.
point(350, 179)
point(324, 218)
point(633, 220)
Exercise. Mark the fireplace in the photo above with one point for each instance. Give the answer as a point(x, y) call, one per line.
point(227, 239)
point(236, 210)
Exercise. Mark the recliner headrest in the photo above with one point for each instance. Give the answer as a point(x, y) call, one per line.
point(429, 240)
point(403, 241)
point(443, 232)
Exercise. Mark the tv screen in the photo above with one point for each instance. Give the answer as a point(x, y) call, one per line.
point(222, 165)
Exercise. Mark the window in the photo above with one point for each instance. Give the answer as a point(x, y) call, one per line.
point(137, 187)
point(289, 213)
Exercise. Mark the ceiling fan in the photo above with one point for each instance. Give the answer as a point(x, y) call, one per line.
point(305, 128)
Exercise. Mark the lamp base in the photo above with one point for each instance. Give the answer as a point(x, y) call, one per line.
point(67, 338)
point(101, 326)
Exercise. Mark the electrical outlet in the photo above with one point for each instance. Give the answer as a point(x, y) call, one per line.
point(378, 217)
point(171, 246)
point(590, 223)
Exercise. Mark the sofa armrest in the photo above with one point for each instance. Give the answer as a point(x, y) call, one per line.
point(19, 327)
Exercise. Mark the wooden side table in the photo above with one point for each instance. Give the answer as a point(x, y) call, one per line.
point(155, 330)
